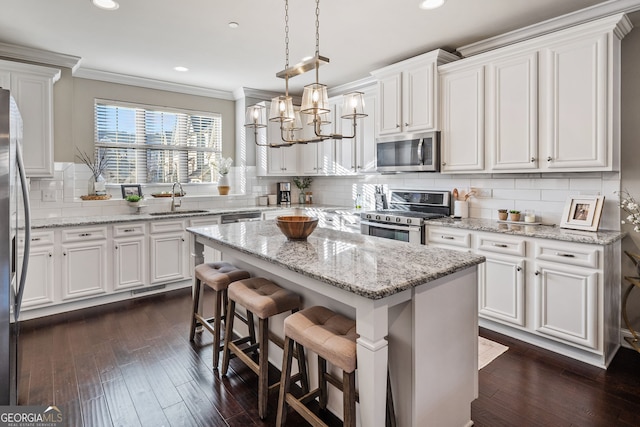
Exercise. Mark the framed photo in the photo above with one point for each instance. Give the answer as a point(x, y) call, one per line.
point(131, 190)
point(582, 213)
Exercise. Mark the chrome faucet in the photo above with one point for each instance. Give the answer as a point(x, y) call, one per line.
point(175, 205)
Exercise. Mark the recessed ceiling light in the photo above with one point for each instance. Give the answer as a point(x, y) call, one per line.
point(180, 68)
point(430, 4)
point(233, 24)
point(106, 4)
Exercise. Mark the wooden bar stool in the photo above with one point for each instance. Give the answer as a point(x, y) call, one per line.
point(333, 338)
point(264, 299)
point(217, 276)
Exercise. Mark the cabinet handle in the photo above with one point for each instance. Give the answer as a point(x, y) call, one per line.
point(533, 159)
point(537, 273)
point(549, 159)
point(128, 230)
point(50, 254)
point(444, 163)
point(565, 255)
point(183, 239)
point(116, 247)
point(406, 124)
point(500, 245)
point(84, 234)
point(448, 237)
point(64, 253)
point(397, 126)
point(518, 268)
point(36, 239)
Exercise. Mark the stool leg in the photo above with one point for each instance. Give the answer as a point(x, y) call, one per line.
point(263, 363)
point(196, 302)
point(284, 382)
point(251, 326)
point(216, 329)
point(322, 382)
point(228, 335)
point(302, 369)
point(349, 398)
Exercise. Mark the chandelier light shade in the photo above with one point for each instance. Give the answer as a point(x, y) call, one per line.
point(353, 106)
point(315, 101)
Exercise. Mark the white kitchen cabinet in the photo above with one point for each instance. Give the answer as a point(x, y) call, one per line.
point(462, 137)
point(408, 94)
point(501, 279)
point(275, 161)
point(130, 257)
point(40, 281)
point(512, 112)
point(448, 238)
point(84, 262)
point(168, 251)
point(32, 88)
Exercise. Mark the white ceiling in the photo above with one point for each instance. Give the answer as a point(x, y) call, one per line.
point(147, 38)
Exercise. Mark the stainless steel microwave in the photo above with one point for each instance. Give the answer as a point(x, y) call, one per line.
point(418, 152)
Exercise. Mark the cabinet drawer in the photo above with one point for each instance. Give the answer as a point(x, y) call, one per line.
point(448, 236)
point(129, 230)
point(82, 234)
point(39, 238)
point(166, 226)
point(204, 221)
point(584, 256)
point(501, 245)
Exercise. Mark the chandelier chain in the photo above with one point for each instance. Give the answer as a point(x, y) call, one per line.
point(286, 33)
point(317, 27)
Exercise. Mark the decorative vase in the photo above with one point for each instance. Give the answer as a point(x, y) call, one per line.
point(302, 198)
point(223, 185)
point(97, 186)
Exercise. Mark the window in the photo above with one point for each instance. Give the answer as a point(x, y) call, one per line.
point(146, 144)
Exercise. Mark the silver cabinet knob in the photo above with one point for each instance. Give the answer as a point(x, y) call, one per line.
point(549, 159)
point(533, 159)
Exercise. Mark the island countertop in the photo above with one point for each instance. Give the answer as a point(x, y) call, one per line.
point(367, 266)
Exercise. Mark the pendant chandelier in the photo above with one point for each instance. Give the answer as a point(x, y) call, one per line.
point(315, 103)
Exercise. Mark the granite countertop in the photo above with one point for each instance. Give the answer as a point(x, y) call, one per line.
point(73, 221)
point(600, 237)
point(367, 266)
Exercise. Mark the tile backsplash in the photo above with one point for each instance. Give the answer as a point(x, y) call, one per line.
point(544, 193)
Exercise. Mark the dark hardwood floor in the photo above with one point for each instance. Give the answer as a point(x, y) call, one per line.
point(131, 364)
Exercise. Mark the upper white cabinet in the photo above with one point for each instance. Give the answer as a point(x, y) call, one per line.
point(462, 136)
point(32, 88)
point(547, 104)
point(275, 161)
point(408, 93)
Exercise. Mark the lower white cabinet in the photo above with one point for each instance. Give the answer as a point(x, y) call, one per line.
point(129, 256)
point(39, 286)
point(563, 296)
point(168, 248)
point(84, 262)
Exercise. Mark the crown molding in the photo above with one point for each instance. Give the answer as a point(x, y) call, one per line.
point(352, 86)
point(40, 56)
point(601, 10)
point(247, 92)
point(106, 76)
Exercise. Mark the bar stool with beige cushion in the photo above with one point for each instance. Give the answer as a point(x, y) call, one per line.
point(263, 298)
point(333, 338)
point(217, 276)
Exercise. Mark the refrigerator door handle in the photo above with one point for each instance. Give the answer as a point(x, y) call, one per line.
point(27, 233)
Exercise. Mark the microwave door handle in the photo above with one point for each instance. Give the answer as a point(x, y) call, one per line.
point(421, 151)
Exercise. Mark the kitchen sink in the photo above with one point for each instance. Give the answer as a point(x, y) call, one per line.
point(177, 212)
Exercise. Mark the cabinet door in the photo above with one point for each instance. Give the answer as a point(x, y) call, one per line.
point(390, 92)
point(574, 81)
point(418, 98)
point(462, 142)
point(501, 290)
point(38, 288)
point(366, 136)
point(168, 256)
point(512, 113)
point(84, 269)
point(566, 303)
point(130, 262)
point(34, 97)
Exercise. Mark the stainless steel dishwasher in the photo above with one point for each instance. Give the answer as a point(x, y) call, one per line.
point(240, 217)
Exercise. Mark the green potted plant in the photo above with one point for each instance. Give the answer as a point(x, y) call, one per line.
point(502, 214)
point(514, 215)
point(134, 200)
point(302, 185)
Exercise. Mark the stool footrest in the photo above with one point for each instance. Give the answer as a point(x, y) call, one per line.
point(301, 409)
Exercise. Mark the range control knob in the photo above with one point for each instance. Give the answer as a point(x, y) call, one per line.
point(368, 216)
point(387, 219)
point(378, 217)
point(408, 220)
point(397, 219)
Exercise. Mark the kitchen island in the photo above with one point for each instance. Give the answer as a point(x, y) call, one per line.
point(415, 308)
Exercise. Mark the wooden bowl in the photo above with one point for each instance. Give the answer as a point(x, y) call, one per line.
point(296, 227)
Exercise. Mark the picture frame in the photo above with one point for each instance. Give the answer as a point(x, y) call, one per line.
point(131, 190)
point(582, 213)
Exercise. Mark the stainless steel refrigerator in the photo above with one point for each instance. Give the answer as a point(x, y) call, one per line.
point(14, 257)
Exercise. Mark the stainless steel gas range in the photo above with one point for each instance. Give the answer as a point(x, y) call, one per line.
point(405, 217)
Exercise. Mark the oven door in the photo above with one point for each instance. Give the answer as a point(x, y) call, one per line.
point(406, 153)
point(405, 233)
